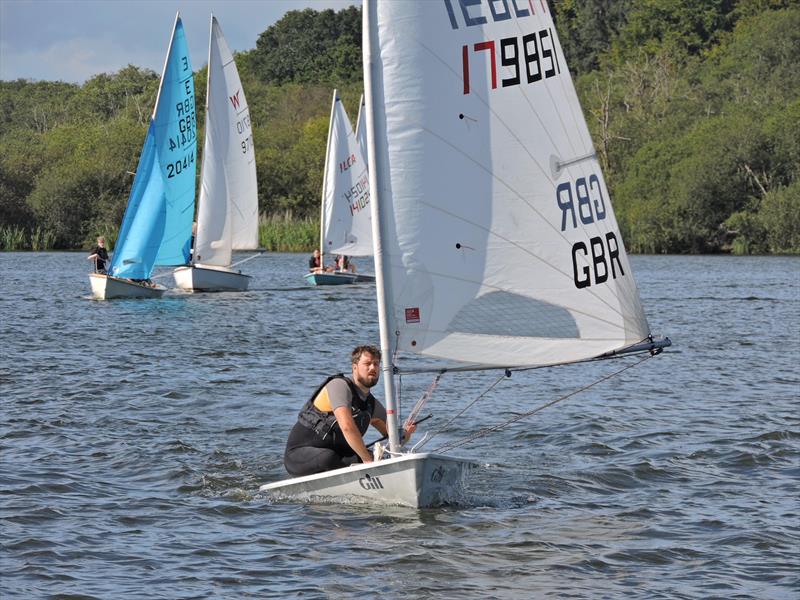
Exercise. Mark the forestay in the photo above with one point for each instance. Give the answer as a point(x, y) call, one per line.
point(227, 217)
point(498, 239)
point(157, 225)
point(346, 219)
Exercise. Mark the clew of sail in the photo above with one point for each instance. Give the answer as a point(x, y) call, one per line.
point(157, 225)
point(498, 241)
point(346, 218)
point(227, 216)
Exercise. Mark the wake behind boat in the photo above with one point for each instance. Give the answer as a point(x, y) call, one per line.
point(227, 210)
point(157, 225)
point(496, 245)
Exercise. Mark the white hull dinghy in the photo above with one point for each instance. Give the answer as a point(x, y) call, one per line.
point(227, 209)
point(421, 480)
point(106, 287)
point(208, 278)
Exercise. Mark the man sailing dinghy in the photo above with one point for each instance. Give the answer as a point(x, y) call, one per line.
point(157, 225)
point(227, 210)
point(496, 245)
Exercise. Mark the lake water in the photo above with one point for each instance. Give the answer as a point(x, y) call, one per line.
point(134, 436)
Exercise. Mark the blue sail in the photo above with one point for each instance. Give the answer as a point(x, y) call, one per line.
point(157, 226)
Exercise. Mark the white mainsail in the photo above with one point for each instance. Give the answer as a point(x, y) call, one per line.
point(346, 218)
point(227, 214)
point(496, 242)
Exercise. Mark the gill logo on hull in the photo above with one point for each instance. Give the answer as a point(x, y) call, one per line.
point(370, 483)
point(437, 475)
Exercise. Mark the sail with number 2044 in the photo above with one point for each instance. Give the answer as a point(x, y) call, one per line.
point(157, 226)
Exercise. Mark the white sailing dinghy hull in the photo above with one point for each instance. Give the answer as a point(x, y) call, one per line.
point(421, 480)
point(106, 287)
point(206, 278)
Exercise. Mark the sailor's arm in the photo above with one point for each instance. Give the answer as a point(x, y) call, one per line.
point(351, 433)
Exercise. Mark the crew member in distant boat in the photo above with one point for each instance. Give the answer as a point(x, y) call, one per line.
point(315, 263)
point(331, 425)
point(343, 263)
point(99, 255)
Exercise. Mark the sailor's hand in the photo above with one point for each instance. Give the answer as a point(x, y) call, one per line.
point(408, 429)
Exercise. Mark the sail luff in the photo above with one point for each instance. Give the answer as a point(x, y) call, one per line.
point(377, 176)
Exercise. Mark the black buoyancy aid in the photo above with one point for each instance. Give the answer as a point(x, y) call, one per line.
point(324, 424)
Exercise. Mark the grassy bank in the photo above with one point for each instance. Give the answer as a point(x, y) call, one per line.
point(276, 233)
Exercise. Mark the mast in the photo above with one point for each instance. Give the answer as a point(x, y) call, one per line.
point(325, 185)
point(376, 166)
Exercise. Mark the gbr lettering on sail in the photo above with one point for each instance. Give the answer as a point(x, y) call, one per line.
point(529, 59)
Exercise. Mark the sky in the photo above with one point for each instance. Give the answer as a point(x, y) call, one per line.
point(72, 40)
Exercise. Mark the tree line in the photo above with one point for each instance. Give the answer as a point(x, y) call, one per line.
point(694, 107)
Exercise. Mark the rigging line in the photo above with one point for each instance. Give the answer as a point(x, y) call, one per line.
point(506, 374)
point(487, 430)
point(494, 176)
point(423, 399)
point(246, 259)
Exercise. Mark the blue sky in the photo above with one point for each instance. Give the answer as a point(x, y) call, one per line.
point(72, 40)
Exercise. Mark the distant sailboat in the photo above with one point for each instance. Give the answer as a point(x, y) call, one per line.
point(346, 223)
point(227, 210)
point(496, 246)
point(157, 226)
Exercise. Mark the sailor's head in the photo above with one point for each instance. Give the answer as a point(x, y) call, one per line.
point(316, 252)
point(101, 240)
point(366, 361)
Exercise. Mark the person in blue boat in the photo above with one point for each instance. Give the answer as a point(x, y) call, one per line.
point(329, 433)
point(99, 255)
point(315, 263)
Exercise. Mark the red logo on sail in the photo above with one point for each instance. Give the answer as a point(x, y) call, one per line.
point(235, 99)
point(412, 315)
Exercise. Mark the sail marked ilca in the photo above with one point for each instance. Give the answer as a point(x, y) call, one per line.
point(227, 209)
point(346, 223)
point(496, 244)
point(157, 225)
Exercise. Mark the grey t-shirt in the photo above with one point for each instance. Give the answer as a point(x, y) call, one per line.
point(339, 395)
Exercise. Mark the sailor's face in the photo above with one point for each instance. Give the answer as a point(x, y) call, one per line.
point(367, 370)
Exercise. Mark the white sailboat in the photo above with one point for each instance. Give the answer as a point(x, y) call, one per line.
point(496, 245)
point(227, 210)
point(157, 225)
point(345, 220)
